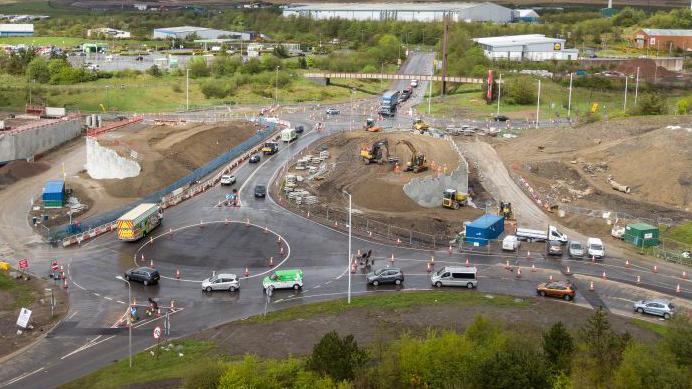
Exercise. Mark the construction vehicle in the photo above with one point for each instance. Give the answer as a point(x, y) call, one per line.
point(377, 153)
point(452, 198)
point(420, 126)
point(270, 148)
point(417, 163)
point(370, 126)
point(505, 209)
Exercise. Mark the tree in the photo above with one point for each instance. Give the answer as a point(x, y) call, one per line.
point(678, 339)
point(516, 365)
point(645, 367)
point(651, 104)
point(198, 68)
point(280, 51)
point(682, 107)
point(214, 89)
point(520, 90)
point(337, 357)
point(628, 16)
point(601, 348)
point(154, 71)
point(558, 348)
point(37, 70)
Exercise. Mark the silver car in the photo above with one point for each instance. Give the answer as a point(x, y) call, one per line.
point(655, 307)
point(222, 281)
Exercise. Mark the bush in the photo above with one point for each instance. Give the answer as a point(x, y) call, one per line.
point(214, 89)
point(198, 68)
point(337, 357)
point(154, 71)
point(38, 70)
point(558, 348)
point(682, 107)
point(651, 104)
point(177, 88)
point(521, 90)
point(205, 376)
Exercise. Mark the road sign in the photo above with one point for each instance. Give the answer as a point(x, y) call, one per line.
point(157, 332)
point(23, 319)
point(23, 264)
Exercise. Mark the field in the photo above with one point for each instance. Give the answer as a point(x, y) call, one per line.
point(67, 41)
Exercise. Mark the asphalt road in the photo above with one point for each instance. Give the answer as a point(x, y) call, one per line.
point(199, 237)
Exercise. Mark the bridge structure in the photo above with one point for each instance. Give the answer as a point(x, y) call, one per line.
point(324, 78)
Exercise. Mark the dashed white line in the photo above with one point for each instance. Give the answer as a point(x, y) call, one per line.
point(21, 377)
point(72, 315)
point(120, 302)
point(108, 298)
point(96, 294)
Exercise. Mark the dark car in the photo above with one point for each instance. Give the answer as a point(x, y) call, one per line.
point(255, 158)
point(139, 58)
point(300, 129)
point(260, 191)
point(386, 275)
point(501, 118)
point(145, 275)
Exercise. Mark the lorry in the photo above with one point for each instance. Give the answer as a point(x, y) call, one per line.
point(139, 221)
point(270, 148)
point(452, 198)
point(532, 235)
point(289, 135)
point(388, 103)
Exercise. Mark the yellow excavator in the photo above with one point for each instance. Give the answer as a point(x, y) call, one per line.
point(420, 126)
point(417, 163)
point(371, 127)
point(505, 210)
point(452, 198)
point(378, 152)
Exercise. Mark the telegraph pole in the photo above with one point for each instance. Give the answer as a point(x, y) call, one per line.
point(444, 54)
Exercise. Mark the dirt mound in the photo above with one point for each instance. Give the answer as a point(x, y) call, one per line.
point(16, 170)
point(647, 69)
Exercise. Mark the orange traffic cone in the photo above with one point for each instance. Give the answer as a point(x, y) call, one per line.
point(550, 278)
point(64, 282)
point(358, 253)
point(591, 286)
point(677, 289)
point(684, 275)
point(151, 240)
point(201, 224)
point(568, 272)
point(281, 250)
point(391, 260)
point(151, 263)
point(604, 276)
point(429, 267)
point(336, 224)
point(308, 215)
point(370, 234)
point(177, 273)
point(432, 260)
point(533, 267)
point(593, 259)
point(507, 267)
point(398, 241)
point(247, 272)
point(354, 266)
point(528, 255)
point(518, 273)
point(225, 221)
point(449, 250)
point(271, 261)
point(247, 222)
point(467, 262)
point(266, 230)
point(627, 263)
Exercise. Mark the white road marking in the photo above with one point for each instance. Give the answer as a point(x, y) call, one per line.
point(72, 315)
point(21, 377)
point(108, 298)
point(96, 294)
point(120, 302)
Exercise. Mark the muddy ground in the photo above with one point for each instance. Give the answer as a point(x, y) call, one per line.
point(377, 190)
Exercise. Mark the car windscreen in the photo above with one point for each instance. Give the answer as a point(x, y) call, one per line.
point(378, 271)
point(596, 247)
point(576, 246)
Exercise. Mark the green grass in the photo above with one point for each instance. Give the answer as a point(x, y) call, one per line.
point(67, 41)
point(389, 302)
point(649, 326)
point(22, 293)
point(39, 7)
point(681, 233)
point(147, 368)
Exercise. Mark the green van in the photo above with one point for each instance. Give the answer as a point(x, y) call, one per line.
point(284, 279)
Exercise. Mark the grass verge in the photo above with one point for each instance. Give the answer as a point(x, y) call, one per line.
point(21, 292)
point(681, 233)
point(653, 327)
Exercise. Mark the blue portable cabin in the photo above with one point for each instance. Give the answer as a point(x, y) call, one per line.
point(54, 194)
point(485, 228)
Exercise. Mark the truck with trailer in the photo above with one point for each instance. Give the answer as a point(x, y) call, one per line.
point(388, 103)
point(139, 221)
point(289, 135)
point(532, 235)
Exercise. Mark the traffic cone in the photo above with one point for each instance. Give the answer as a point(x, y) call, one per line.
point(677, 289)
point(432, 260)
point(528, 255)
point(568, 272)
point(201, 223)
point(64, 282)
point(170, 232)
point(266, 230)
point(533, 267)
point(354, 266)
point(429, 267)
point(627, 263)
point(550, 278)
point(398, 241)
point(684, 275)
point(518, 273)
point(639, 280)
point(370, 234)
point(278, 240)
point(151, 240)
point(336, 224)
point(177, 273)
point(449, 250)
point(655, 269)
point(604, 276)
point(358, 255)
point(308, 214)
point(247, 272)
point(391, 260)
point(467, 262)
point(271, 261)
point(247, 222)
point(593, 259)
point(151, 263)
point(281, 250)
point(225, 221)
point(507, 267)
point(591, 286)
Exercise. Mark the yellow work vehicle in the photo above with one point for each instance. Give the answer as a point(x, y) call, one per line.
point(417, 163)
point(505, 210)
point(420, 126)
point(451, 198)
point(377, 153)
point(371, 127)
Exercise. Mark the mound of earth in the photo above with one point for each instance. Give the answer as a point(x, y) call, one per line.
point(650, 155)
point(14, 171)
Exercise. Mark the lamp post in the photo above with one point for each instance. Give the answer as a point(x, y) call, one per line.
point(276, 88)
point(348, 266)
point(107, 100)
point(129, 321)
point(350, 115)
point(499, 90)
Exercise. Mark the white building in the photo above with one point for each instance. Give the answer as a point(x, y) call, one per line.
point(108, 32)
point(526, 15)
point(458, 12)
point(185, 31)
point(16, 29)
point(532, 47)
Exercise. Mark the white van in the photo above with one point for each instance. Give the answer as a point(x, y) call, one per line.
point(289, 135)
point(510, 243)
point(455, 276)
point(595, 248)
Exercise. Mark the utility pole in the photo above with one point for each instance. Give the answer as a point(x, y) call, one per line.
point(569, 99)
point(444, 54)
point(624, 105)
point(187, 89)
point(499, 89)
point(276, 88)
point(431, 82)
point(636, 86)
point(538, 102)
point(348, 267)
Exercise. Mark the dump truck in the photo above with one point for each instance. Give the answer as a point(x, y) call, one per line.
point(270, 148)
point(378, 152)
point(417, 163)
point(452, 198)
point(420, 126)
point(139, 221)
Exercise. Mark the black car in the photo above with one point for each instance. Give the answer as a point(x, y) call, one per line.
point(260, 191)
point(501, 118)
point(255, 158)
point(145, 275)
point(300, 129)
point(139, 58)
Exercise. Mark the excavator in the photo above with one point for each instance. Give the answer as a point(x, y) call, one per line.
point(420, 126)
point(418, 162)
point(451, 198)
point(505, 209)
point(370, 126)
point(377, 153)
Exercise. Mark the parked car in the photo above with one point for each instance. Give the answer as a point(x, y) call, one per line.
point(139, 58)
point(254, 159)
point(260, 191)
point(510, 243)
point(575, 249)
point(455, 276)
point(222, 281)
point(595, 248)
point(284, 279)
point(553, 247)
point(501, 118)
point(414, 83)
point(145, 275)
point(386, 275)
point(560, 289)
point(332, 111)
point(227, 179)
point(655, 307)
point(299, 129)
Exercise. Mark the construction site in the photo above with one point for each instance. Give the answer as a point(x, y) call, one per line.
point(395, 178)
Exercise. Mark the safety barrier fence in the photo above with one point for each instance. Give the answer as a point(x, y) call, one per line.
point(113, 126)
point(181, 190)
point(42, 123)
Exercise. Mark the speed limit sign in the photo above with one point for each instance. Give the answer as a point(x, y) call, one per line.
point(157, 332)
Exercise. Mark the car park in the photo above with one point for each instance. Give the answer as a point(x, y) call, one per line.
point(510, 243)
point(455, 276)
point(221, 281)
point(662, 308)
point(575, 249)
point(260, 191)
point(228, 179)
point(559, 289)
point(145, 275)
point(553, 247)
point(595, 248)
point(254, 159)
point(332, 111)
point(284, 279)
point(386, 275)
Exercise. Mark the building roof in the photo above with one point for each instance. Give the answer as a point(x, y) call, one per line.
point(15, 27)
point(189, 29)
point(526, 13)
point(641, 226)
point(666, 32)
point(516, 40)
point(56, 186)
point(486, 221)
point(457, 6)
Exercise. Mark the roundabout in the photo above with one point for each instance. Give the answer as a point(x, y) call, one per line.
point(194, 252)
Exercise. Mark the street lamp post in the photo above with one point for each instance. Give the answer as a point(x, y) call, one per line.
point(350, 115)
point(129, 321)
point(187, 89)
point(276, 88)
point(348, 266)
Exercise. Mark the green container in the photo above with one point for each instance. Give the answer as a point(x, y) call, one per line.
point(641, 235)
point(52, 204)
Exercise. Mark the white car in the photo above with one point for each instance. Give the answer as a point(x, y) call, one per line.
point(222, 281)
point(414, 83)
point(227, 179)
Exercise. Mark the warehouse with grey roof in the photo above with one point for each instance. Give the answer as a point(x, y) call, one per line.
point(531, 47)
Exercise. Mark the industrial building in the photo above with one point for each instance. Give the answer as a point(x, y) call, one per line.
point(531, 47)
point(16, 29)
point(662, 39)
point(526, 15)
point(422, 12)
point(108, 32)
point(201, 32)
